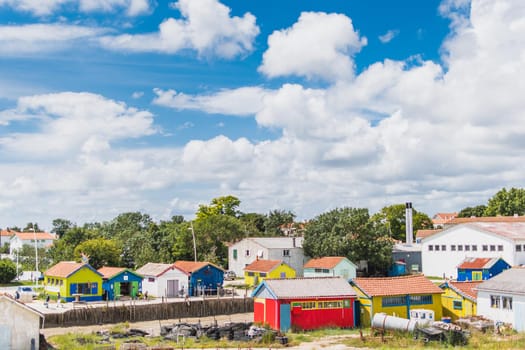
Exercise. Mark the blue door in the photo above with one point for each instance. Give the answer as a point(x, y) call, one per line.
point(285, 318)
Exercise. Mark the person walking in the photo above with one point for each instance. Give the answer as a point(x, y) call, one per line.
point(47, 301)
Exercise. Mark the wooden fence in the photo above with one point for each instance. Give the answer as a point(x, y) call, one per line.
point(134, 312)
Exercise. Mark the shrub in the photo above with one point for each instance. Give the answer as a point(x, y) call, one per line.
point(7, 271)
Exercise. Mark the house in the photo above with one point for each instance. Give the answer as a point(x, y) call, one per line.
point(246, 251)
point(478, 269)
point(74, 281)
point(261, 269)
point(486, 219)
point(19, 239)
point(5, 237)
point(163, 280)
point(293, 229)
point(304, 303)
point(330, 266)
point(420, 234)
point(442, 252)
point(19, 325)
point(396, 296)
point(502, 298)
point(203, 277)
point(119, 281)
point(459, 298)
point(440, 219)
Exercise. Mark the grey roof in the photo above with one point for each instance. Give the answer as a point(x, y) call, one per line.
point(153, 269)
point(279, 242)
point(509, 281)
point(310, 287)
point(509, 230)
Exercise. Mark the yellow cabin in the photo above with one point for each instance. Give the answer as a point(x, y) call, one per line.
point(396, 296)
point(261, 269)
point(74, 281)
point(459, 298)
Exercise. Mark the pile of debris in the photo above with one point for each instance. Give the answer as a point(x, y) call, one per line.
point(476, 322)
point(240, 331)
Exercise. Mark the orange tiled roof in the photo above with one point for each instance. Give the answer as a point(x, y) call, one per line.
point(476, 263)
point(389, 286)
point(192, 266)
point(328, 262)
point(63, 269)
point(467, 288)
point(25, 236)
point(426, 233)
point(488, 219)
point(109, 271)
point(262, 265)
point(442, 218)
point(7, 233)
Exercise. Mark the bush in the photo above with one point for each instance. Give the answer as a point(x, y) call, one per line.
point(7, 271)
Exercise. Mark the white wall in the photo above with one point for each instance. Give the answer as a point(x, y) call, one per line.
point(22, 324)
point(499, 314)
point(158, 287)
point(437, 263)
point(238, 265)
point(295, 260)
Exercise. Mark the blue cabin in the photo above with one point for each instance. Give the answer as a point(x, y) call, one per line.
point(203, 277)
point(480, 269)
point(118, 282)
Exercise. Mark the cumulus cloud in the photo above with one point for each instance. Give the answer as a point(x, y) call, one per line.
point(244, 101)
point(48, 7)
point(318, 45)
point(388, 36)
point(206, 27)
point(71, 122)
point(30, 38)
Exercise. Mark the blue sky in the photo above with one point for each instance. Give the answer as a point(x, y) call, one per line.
point(109, 106)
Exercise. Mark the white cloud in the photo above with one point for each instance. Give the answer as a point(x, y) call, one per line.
point(70, 123)
point(244, 101)
point(206, 27)
point(137, 94)
point(388, 36)
point(318, 45)
point(31, 38)
point(48, 7)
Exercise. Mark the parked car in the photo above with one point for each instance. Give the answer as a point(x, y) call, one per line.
point(229, 276)
point(27, 290)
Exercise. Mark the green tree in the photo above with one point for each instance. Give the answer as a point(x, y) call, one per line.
point(60, 226)
point(394, 217)
point(477, 211)
point(275, 219)
point(64, 247)
point(32, 226)
point(226, 205)
point(101, 252)
point(253, 224)
point(350, 232)
point(507, 203)
point(7, 270)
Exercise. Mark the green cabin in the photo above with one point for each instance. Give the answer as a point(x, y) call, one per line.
point(119, 282)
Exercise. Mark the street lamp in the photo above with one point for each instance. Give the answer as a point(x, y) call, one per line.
point(194, 243)
point(36, 256)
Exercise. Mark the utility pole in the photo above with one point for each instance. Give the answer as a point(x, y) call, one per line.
point(194, 243)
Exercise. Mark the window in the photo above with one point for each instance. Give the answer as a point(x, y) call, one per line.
point(518, 247)
point(250, 273)
point(500, 248)
point(494, 301)
point(474, 248)
point(86, 288)
point(458, 305)
point(420, 299)
point(305, 305)
point(235, 254)
point(322, 270)
point(151, 279)
point(286, 252)
point(430, 248)
point(262, 274)
point(492, 248)
point(443, 247)
point(393, 301)
point(460, 247)
point(247, 253)
point(467, 247)
point(436, 247)
point(485, 247)
point(453, 247)
point(334, 304)
point(506, 303)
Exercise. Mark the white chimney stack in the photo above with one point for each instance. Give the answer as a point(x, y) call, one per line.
point(408, 223)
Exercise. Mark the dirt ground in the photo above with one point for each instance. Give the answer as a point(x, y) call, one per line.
point(153, 327)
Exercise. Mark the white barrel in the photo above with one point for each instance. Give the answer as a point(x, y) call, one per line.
point(385, 322)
